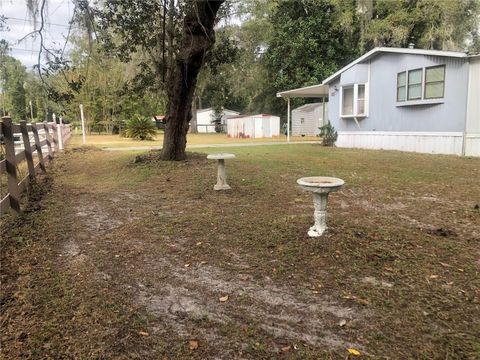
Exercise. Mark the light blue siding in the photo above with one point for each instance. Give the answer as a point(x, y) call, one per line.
point(385, 115)
point(356, 74)
point(334, 105)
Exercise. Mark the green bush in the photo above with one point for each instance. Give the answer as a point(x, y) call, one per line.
point(140, 128)
point(329, 134)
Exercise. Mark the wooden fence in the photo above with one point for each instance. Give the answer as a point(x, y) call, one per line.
point(35, 144)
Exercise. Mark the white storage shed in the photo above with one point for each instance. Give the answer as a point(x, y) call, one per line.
point(307, 119)
point(205, 119)
point(253, 126)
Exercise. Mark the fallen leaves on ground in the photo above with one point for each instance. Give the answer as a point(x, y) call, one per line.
point(354, 352)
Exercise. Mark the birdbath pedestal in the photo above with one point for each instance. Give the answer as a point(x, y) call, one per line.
point(321, 186)
point(221, 173)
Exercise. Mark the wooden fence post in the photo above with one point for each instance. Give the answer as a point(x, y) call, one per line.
point(49, 142)
point(38, 147)
point(11, 164)
point(54, 132)
point(28, 149)
point(66, 133)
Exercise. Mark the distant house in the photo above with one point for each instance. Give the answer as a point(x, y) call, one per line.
point(206, 119)
point(307, 119)
point(405, 99)
point(253, 126)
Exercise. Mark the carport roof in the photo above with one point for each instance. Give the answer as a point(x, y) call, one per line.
point(314, 91)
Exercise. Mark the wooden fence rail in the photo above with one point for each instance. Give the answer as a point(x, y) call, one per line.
point(26, 142)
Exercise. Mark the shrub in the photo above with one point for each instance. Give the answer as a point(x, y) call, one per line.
point(329, 134)
point(140, 128)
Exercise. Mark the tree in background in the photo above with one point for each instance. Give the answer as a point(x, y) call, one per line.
point(13, 78)
point(234, 75)
point(429, 24)
point(151, 52)
point(310, 40)
point(106, 95)
point(216, 82)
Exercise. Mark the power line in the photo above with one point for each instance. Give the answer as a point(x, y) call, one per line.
point(26, 20)
point(27, 50)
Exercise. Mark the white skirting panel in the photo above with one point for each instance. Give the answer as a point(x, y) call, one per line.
point(422, 142)
point(472, 145)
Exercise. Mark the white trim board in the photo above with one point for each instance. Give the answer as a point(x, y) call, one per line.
point(406, 133)
point(472, 144)
point(422, 142)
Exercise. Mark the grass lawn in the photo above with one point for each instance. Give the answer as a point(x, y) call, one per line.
point(105, 141)
point(122, 260)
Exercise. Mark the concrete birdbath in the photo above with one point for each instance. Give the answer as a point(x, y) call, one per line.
point(321, 186)
point(221, 174)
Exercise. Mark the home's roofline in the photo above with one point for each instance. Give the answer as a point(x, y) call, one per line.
point(203, 110)
point(378, 50)
point(208, 109)
point(245, 116)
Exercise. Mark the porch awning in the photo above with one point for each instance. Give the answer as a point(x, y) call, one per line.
point(306, 92)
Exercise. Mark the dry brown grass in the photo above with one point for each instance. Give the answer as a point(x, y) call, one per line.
point(116, 141)
point(123, 260)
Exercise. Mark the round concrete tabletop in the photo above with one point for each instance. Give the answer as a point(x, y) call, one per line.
point(220, 156)
point(320, 182)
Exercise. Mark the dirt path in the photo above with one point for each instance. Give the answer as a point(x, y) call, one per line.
point(145, 261)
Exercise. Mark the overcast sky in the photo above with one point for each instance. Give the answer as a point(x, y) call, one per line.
point(19, 24)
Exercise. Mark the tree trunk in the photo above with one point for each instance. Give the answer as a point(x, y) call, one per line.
point(197, 38)
point(193, 122)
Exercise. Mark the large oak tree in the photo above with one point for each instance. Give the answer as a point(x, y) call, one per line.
point(169, 41)
point(197, 38)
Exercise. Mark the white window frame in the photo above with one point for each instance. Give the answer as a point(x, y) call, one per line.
point(423, 99)
point(404, 87)
point(355, 101)
point(422, 84)
point(425, 83)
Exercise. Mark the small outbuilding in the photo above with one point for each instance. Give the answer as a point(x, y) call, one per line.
point(253, 126)
point(307, 119)
point(206, 120)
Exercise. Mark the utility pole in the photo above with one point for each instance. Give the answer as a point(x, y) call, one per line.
point(84, 138)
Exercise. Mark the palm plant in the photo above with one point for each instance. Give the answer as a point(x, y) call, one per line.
point(140, 128)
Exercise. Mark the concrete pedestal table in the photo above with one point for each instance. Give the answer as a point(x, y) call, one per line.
point(221, 174)
point(321, 186)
